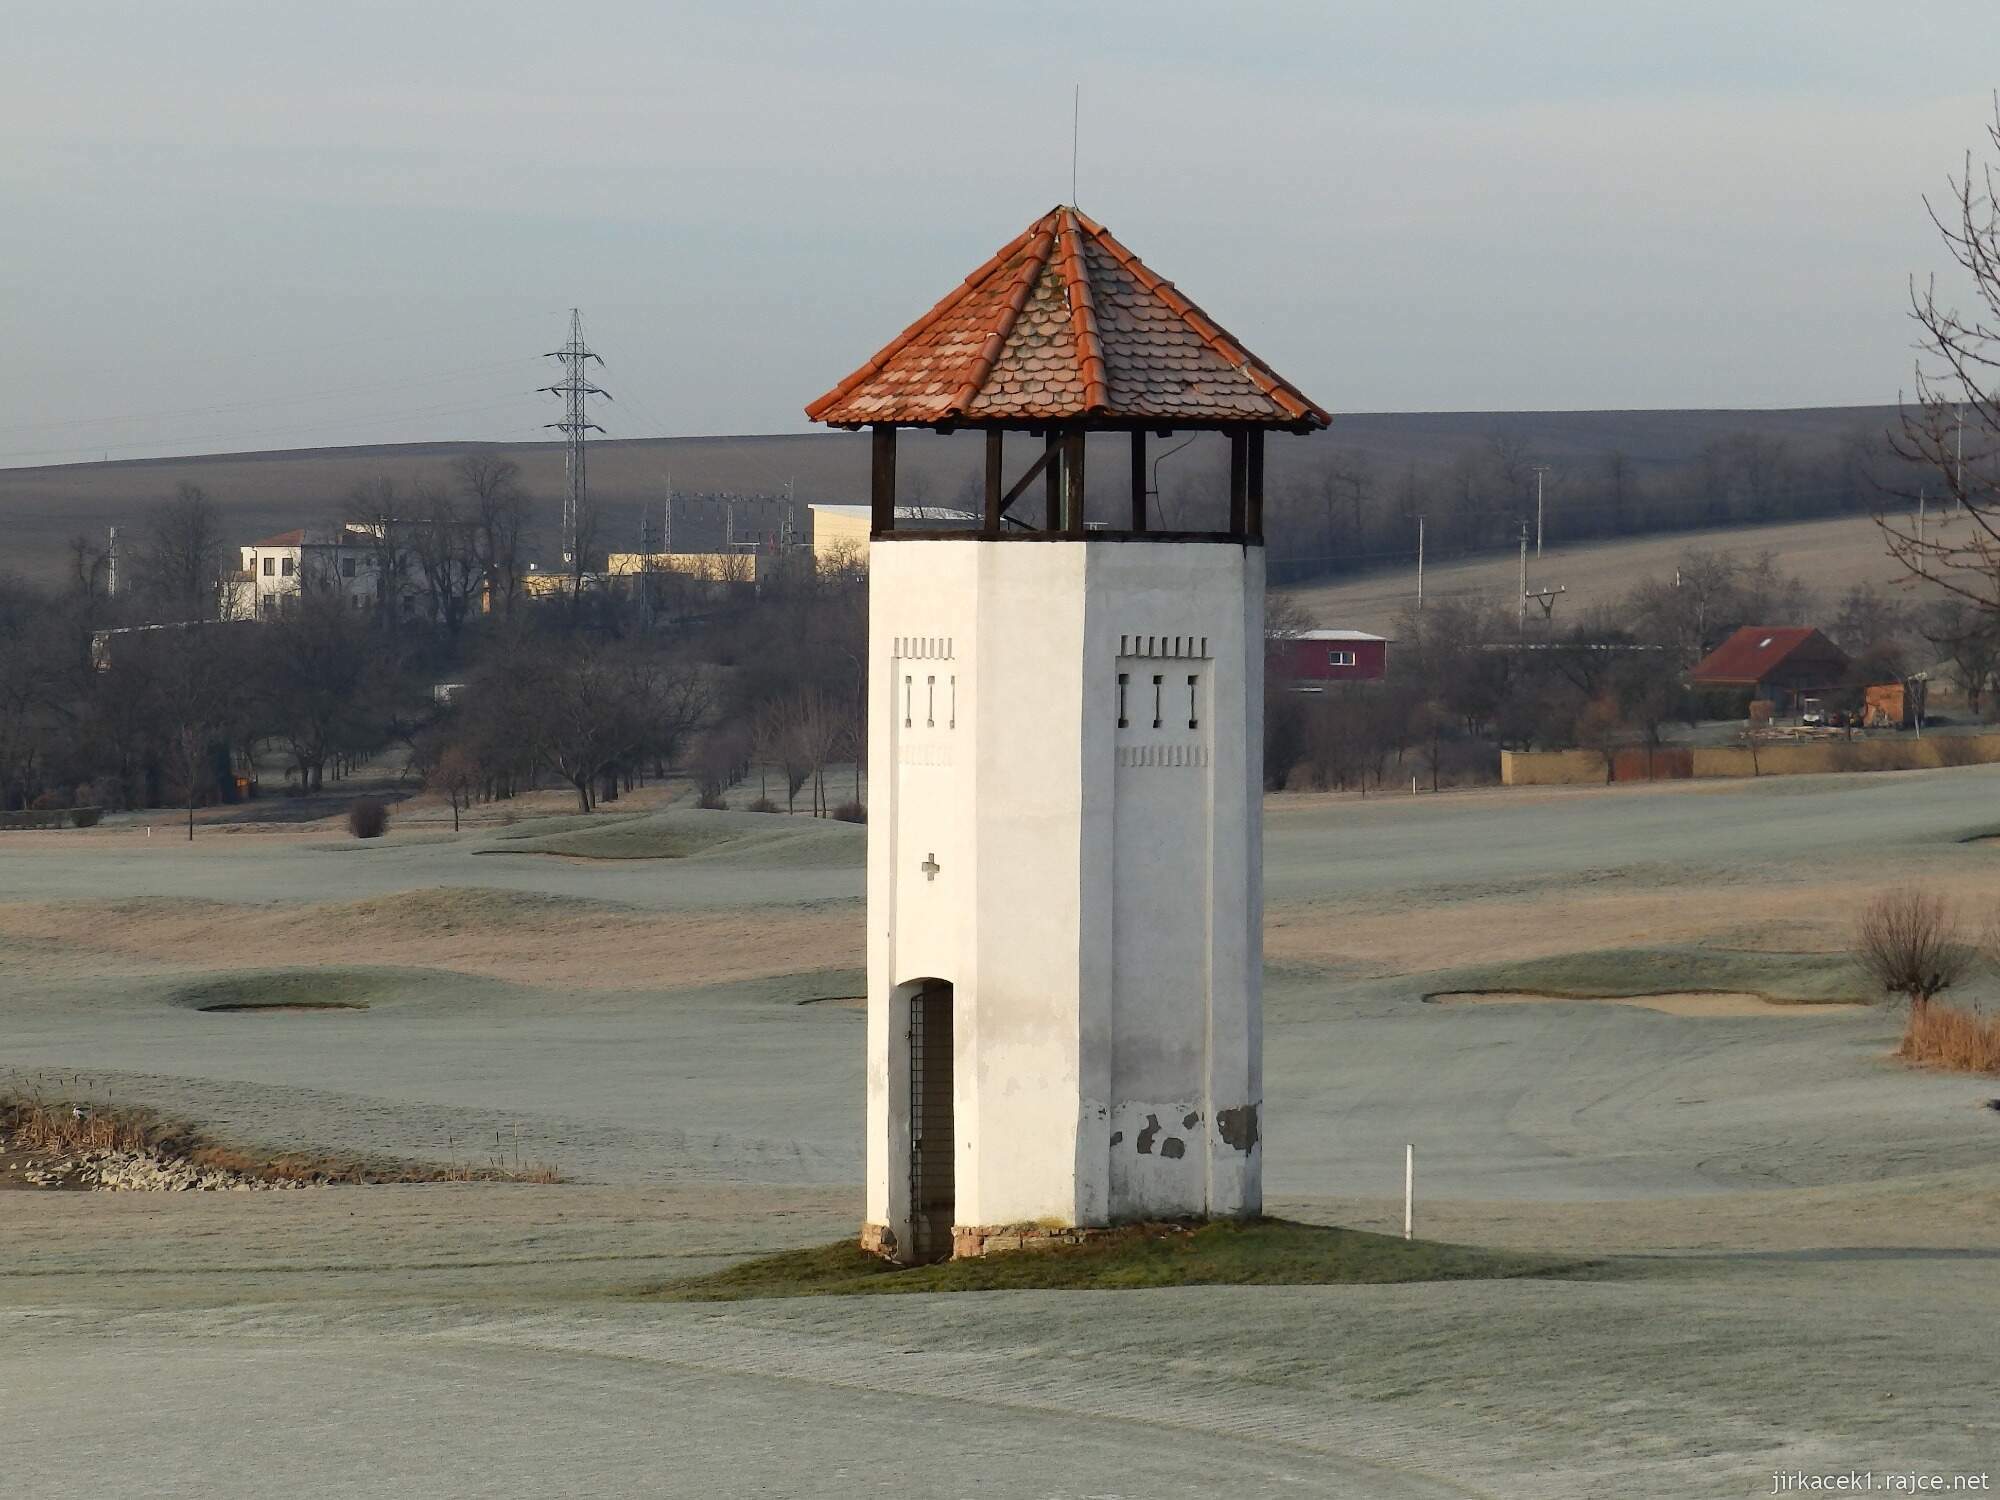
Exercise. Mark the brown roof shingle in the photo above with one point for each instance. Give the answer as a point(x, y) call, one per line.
point(1754, 652)
point(1066, 324)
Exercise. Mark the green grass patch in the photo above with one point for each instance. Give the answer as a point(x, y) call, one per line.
point(1257, 1252)
point(689, 833)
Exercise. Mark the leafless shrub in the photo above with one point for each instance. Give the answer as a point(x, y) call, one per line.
point(368, 818)
point(851, 812)
point(1908, 943)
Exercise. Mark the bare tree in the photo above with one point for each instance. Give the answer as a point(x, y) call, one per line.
point(375, 507)
point(444, 547)
point(802, 732)
point(1601, 728)
point(1972, 642)
point(775, 743)
point(497, 508)
point(458, 775)
point(1950, 432)
point(191, 687)
point(1908, 942)
point(89, 571)
point(181, 559)
point(313, 665)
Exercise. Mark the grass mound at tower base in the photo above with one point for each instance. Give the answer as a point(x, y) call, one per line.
point(1256, 1252)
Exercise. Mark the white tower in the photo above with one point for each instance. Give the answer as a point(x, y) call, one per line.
point(1065, 763)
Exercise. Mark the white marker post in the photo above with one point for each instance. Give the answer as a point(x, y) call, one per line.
point(1409, 1188)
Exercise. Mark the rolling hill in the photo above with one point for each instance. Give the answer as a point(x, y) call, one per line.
point(1832, 555)
point(260, 493)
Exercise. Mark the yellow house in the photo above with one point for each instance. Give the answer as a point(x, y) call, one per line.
point(710, 567)
point(840, 532)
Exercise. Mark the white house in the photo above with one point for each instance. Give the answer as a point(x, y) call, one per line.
point(1065, 898)
point(350, 560)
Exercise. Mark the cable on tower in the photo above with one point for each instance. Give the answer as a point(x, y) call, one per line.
point(576, 390)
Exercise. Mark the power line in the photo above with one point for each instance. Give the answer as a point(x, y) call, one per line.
point(576, 390)
point(366, 387)
point(446, 409)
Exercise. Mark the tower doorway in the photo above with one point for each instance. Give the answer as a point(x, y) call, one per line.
point(933, 1190)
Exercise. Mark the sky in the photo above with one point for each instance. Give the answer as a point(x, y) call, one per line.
point(231, 225)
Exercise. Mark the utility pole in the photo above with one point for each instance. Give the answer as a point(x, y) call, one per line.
point(1540, 470)
point(1920, 515)
point(1420, 564)
point(1958, 457)
point(575, 389)
point(111, 563)
point(667, 540)
point(1524, 577)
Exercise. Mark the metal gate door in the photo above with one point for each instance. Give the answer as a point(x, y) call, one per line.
point(932, 1190)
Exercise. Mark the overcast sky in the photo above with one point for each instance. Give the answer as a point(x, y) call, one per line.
point(246, 224)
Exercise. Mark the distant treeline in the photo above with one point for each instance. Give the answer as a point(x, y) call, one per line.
point(1347, 511)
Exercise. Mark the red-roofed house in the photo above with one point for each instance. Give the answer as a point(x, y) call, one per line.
point(346, 559)
point(1779, 664)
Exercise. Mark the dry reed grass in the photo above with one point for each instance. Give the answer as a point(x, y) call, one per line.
point(67, 1127)
point(1944, 1036)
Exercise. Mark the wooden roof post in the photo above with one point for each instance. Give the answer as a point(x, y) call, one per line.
point(995, 439)
point(1138, 479)
point(1239, 482)
point(1253, 519)
point(1052, 479)
point(882, 481)
point(1073, 482)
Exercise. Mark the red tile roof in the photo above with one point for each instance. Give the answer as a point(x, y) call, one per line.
point(1756, 651)
point(1066, 324)
point(283, 539)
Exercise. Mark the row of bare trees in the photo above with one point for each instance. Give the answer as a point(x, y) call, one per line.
point(1469, 678)
point(712, 676)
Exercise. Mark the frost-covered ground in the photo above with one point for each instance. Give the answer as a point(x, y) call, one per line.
point(1817, 1228)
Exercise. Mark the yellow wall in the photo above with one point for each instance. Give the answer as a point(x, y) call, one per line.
point(716, 567)
point(839, 536)
point(1551, 768)
point(1586, 767)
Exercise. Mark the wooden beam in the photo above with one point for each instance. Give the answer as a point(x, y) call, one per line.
point(1021, 485)
point(1239, 480)
point(1052, 498)
point(995, 439)
point(1138, 479)
point(1253, 517)
point(882, 481)
point(1072, 487)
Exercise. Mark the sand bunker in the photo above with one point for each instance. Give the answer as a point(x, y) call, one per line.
point(302, 1007)
point(1672, 1003)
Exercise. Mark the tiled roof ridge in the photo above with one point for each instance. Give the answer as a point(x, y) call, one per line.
point(1212, 333)
point(1083, 314)
point(944, 304)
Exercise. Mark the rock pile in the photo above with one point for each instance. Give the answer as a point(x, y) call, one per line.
point(144, 1172)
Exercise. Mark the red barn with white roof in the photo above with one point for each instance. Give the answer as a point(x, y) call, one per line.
point(1318, 656)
